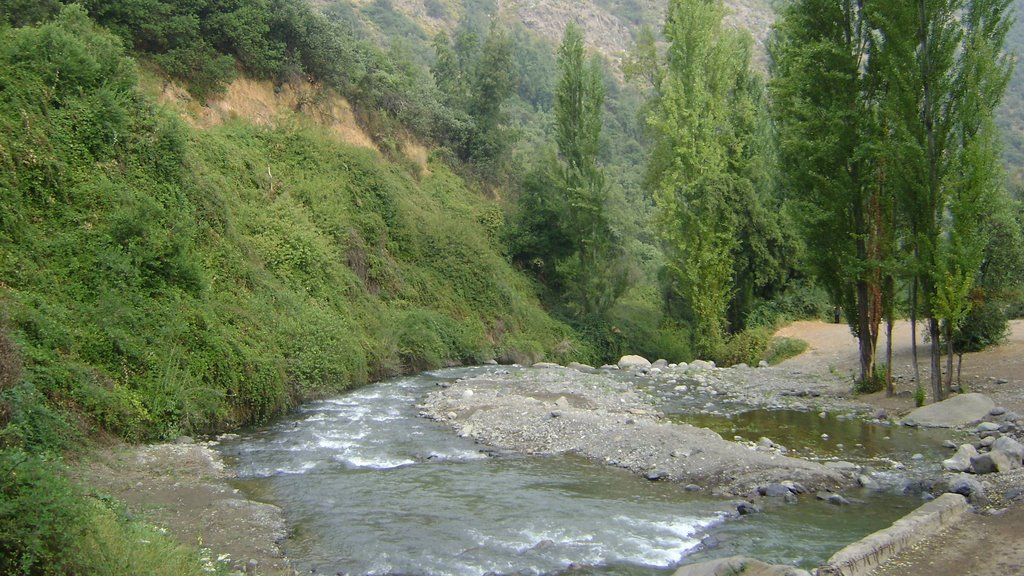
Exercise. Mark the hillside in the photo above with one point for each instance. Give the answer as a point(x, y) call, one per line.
point(609, 26)
point(267, 264)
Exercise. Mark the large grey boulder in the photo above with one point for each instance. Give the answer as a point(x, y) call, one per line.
point(1014, 450)
point(738, 566)
point(959, 410)
point(961, 461)
point(989, 462)
point(969, 488)
point(633, 362)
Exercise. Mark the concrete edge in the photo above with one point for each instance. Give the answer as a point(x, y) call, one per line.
point(863, 556)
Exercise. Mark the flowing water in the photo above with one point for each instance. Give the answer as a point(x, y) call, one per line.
point(369, 487)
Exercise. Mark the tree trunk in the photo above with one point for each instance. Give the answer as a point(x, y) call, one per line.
point(949, 356)
point(864, 333)
point(913, 331)
point(959, 364)
point(889, 391)
point(936, 366)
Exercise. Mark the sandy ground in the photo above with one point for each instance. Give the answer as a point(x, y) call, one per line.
point(998, 372)
point(988, 543)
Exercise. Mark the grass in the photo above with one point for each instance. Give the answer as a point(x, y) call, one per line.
point(782, 348)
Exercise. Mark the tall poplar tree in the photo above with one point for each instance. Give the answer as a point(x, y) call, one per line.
point(824, 105)
point(945, 73)
point(691, 170)
point(591, 279)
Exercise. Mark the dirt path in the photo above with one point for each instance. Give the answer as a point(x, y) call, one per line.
point(998, 372)
point(983, 544)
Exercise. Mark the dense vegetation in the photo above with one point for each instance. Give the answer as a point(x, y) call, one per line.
point(158, 279)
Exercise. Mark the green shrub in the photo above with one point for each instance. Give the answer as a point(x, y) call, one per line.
point(34, 424)
point(746, 347)
point(42, 521)
point(782, 348)
point(875, 383)
point(49, 527)
point(920, 396)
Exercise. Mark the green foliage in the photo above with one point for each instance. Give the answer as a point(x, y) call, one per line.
point(875, 383)
point(984, 326)
point(799, 301)
point(920, 396)
point(48, 526)
point(782, 348)
point(747, 347)
point(704, 167)
point(159, 281)
point(41, 518)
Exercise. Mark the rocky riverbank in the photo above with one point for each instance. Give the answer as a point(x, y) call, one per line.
point(552, 409)
point(184, 488)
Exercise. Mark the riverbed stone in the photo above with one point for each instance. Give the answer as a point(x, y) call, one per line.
point(961, 461)
point(701, 365)
point(987, 427)
point(633, 362)
point(581, 367)
point(989, 462)
point(745, 508)
point(969, 487)
point(1012, 448)
point(660, 363)
point(738, 566)
point(960, 410)
point(774, 490)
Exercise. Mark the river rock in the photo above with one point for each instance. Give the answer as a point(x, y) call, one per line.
point(701, 365)
point(582, 367)
point(997, 411)
point(660, 363)
point(987, 427)
point(989, 462)
point(961, 461)
point(1013, 449)
point(738, 566)
point(633, 362)
point(969, 487)
point(959, 410)
point(745, 508)
point(774, 490)
point(546, 365)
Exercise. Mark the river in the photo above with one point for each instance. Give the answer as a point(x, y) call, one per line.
point(369, 487)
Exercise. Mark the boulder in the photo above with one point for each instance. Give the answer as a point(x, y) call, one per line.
point(1013, 449)
point(959, 410)
point(633, 362)
point(966, 486)
point(660, 363)
point(745, 508)
point(774, 490)
point(987, 427)
point(582, 367)
point(961, 461)
point(701, 365)
point(738, 566)
point(990, 462)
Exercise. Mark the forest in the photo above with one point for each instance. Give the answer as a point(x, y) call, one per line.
point(681, 200)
